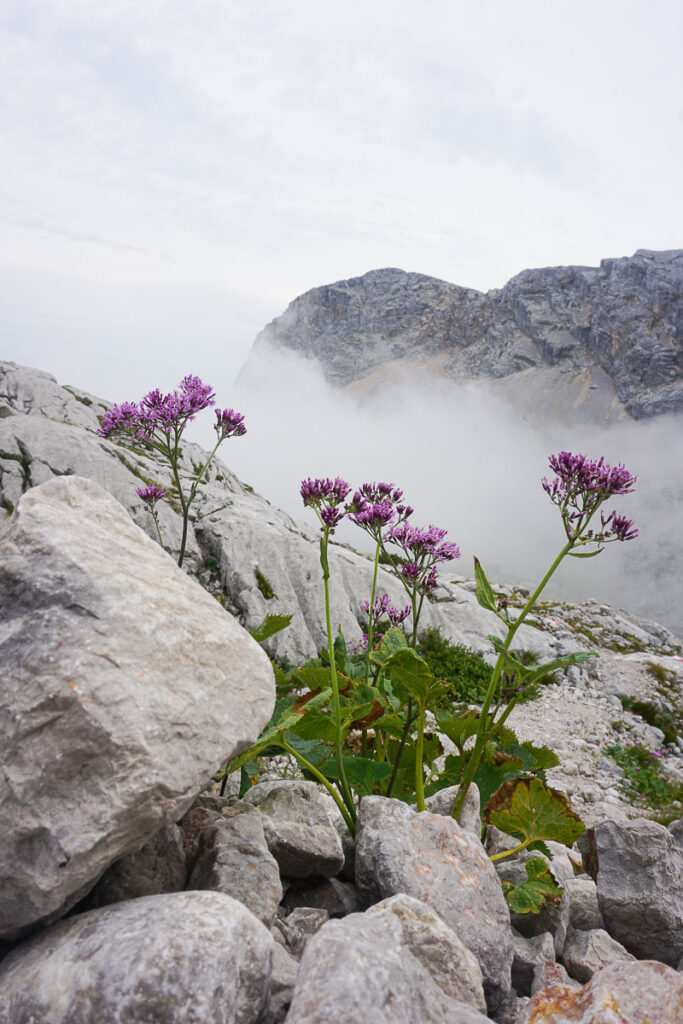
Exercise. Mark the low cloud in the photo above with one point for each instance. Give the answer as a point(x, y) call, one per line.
point(470, 464)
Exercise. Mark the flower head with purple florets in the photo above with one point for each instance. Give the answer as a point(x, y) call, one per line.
point(377, 505)
point(326, 497)
point(383, 609)
point(423, 548)
point(580, 487)
point(229, 424)
point(151, 495)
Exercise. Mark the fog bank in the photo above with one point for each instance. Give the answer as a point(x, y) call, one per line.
point(470, 464)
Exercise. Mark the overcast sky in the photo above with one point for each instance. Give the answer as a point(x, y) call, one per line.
point(174, 172)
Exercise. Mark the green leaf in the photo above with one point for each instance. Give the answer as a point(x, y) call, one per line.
point(286, 715)
point(411, 672)
point(577, 658)
point(361, 773)
point(585, 554)
point(271, 625)
point(315, 726)
point(315, 751)
point(484, 591)
point(534, 759)
point(540, 888)
point(530, 810)
point(392, 641)
point(458, 730)
point(312, 677)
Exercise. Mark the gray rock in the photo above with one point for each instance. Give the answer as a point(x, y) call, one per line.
point(613, 330)
point(299, 925)
point(586, 952)
point(297, 828)
point(548, 974)
point(158, 867)
point(282, 981)
point(584, 910)
point(628, 993)
point(676, 830)
point(470, 816)
point(361, 969)
point(436, 946)
point(431, 858)
point(123, 689)
point(331, 894)
point(638, 868)
point(233, 858)
point(180, 958)
point(528, 954)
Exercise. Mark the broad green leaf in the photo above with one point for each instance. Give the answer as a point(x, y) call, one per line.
point(568, 659)
point(484, 591)
point(315, 751)
point(271, 625)
point(534, 759)
point(458, 730)
point(411, 672)
point(530, 810)
point(539, 889)
point(286, 715)
point(368, 694)
point(392, 641)
point(315, 726)
point(281, 677)
point(361, 773)
point(313, 677)
point(449, 776)
point(489, 777)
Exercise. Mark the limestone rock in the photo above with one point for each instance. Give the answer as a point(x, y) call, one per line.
point(331, 894)
point(361, 969)
point(627, 993)
point(550, 974)
point(431, 858)
point(638, 868)
point(584, 910)
point(234, 858)
point(124, 687)
point(592, 341)
point(528, 954)
point(470, 816)
point(298, 927)
point(160, 866)
point(297, 828)
point(282, 981)
point(436, 946)
point(180, 958)
point(587, 952)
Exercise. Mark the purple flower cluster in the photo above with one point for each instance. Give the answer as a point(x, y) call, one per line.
point(229, 424)
point(326, 497)
point(158, 412)
point(383, 609)
point(579, 487)
point(151, 495)
point(423, 549)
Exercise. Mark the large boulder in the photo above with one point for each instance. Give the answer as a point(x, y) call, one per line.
point(633, 993)
point(638, 868)
point(180, 958)
point(362, 968)
point(124, 686)
point(428, 856)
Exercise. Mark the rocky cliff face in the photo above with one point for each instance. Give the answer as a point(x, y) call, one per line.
point(595, 343)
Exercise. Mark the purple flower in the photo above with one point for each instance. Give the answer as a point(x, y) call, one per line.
point(374, 517)
point(579, 487)
point(151, 495)
point(166, 414)
point(229, 424)
point(375, 505)
point(383, 608)
point(325, 496)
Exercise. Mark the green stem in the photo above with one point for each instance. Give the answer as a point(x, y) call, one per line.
point(348, 799)
point(419, 782)
point(323, 781)
point(371, 615)
point(510, 853)
point(399, 752)
point(482, 735)
point(202, 471)
point(155, 517)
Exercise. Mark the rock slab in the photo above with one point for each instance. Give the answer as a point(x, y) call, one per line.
point(180, 958)
point(124, 686)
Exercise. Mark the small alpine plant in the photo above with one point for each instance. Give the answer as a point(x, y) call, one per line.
point(157, 423)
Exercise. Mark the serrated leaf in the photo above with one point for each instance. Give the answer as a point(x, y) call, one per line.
point(411, 673)
point(315, 751)
point(530, 810)
point(313, 677)
point(271, 625)
point(286, 715)
point(458, 730)
point(534, 759)
point(484, 591)
point(392, 641)
point(315, 725)
point(540, 888)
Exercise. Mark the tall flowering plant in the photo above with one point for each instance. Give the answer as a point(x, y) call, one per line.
point(579, 488)
point(157, 423)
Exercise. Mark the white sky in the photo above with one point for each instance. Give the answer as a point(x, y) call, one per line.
point(174, 173)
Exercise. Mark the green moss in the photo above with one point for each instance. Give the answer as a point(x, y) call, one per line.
point(23, 459)
point(80, 398)
point(264, 585)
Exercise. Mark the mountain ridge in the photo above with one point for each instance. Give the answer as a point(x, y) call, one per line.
point(615, 329)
